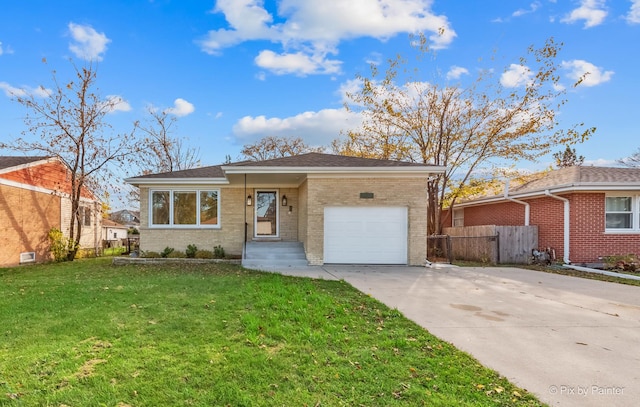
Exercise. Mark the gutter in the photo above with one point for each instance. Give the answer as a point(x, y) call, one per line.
point(566, 224)
point(527, 207)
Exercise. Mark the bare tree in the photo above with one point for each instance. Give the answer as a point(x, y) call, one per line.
point(460, 128)
point(277, 147)
point(632, 161)
point(70, 124)
point(160, 151)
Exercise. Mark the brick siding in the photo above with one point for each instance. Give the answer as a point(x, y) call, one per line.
point(26, 217)
point(407, 192)
point(305, 223)
point(588, 242)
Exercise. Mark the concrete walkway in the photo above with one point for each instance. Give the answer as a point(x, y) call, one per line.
point(570, 341)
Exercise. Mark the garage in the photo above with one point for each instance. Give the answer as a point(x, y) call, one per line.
point(365, 235)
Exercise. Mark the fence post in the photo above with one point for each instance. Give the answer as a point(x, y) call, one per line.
point(498, 247)
point(449, 249)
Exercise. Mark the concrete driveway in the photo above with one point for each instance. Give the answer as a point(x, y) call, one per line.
point(570, 341)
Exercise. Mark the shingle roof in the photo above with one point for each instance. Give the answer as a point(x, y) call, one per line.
point(324, 160)
point(109, 222)
point(580, 176)
point(14, 161)
point(214, 171)
point(309, 160)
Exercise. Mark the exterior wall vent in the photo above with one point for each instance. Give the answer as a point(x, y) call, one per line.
point(27, 257)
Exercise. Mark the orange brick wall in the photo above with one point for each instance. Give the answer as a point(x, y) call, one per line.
point(25, 219)
point(588, 241)
point(52, 175)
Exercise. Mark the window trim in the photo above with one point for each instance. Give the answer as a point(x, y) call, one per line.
point(635, 213)
point(171, 225)
point(457, 219)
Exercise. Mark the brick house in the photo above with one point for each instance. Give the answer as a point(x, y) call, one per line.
point(341, 209)
point(34, 197)
point(583, 212)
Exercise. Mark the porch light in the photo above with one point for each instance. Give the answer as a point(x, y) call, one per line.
point(284, 200)
point(249, 201)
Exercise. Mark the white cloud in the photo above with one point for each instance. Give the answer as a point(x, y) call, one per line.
point(375, 58)
point(0, 48)
point(25, 91)
point(351, 86)
point(455, 72)
point(591, 11)
point(601, 162)
point(316, 128)
point(296, 63)
point(181, 108)
point(532, 8)
point(633, 17)
point(592, 74)
point(314, 29)
point(516, 75)
point(118, 104)
point(87, 43)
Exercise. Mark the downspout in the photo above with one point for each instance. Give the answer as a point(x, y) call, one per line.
point(566, 224)
point(527, 207)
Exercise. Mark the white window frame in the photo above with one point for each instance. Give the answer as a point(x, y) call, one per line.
point(458, 217)
point(635, 213)
point(171, 225)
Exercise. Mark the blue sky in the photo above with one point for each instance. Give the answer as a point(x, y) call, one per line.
point(234, 71)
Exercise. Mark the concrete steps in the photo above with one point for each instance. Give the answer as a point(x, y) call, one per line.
point(271, 255)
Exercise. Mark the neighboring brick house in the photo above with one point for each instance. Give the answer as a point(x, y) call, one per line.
point(342, 209)
point(584, 213)
point(34, 197)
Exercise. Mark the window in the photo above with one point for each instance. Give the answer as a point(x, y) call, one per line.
point(84, 213)
point(458, 217)
point(621, 213)
point(185, 208)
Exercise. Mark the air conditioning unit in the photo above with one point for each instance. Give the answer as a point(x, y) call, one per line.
point(27, 257)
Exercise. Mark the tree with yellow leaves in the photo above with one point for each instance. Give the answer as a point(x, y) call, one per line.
point(461, 128)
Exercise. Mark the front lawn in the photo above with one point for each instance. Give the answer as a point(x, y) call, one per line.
point(90, 334)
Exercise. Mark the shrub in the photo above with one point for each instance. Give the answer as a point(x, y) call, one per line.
point(59, 244)
point(85, 254)
point(218, 252)
point(150, 254)
point(166, 252)
point(176, 254)
point(191, 251)
point(204, 254)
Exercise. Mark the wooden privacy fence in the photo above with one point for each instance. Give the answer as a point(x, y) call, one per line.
point(487, 244)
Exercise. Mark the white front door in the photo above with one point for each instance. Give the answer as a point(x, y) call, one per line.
point(266, 223)
point(365, 235)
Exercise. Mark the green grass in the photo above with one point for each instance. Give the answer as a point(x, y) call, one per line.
point(90, 334)
point(584, 274)
point(556, 269)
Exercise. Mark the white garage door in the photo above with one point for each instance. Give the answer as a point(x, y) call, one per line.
point(371, 235)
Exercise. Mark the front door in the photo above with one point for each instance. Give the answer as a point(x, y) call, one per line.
point(266, 215)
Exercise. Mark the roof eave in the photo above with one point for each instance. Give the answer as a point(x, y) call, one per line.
point(183, 181)
point(29, 164)
point(323, 170)
point(581, 187)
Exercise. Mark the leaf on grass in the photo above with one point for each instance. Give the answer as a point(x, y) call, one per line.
point(86, 370)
